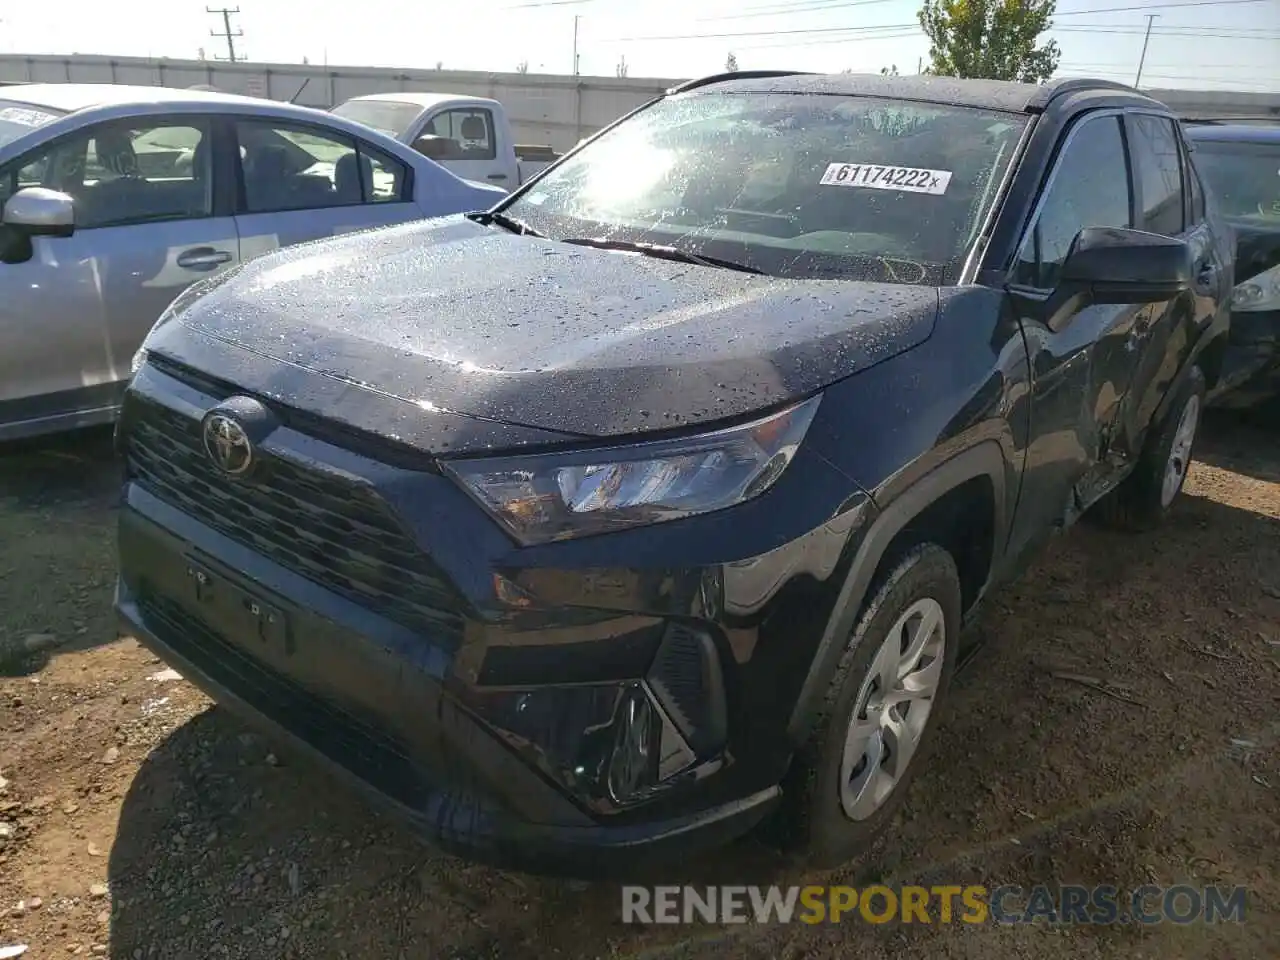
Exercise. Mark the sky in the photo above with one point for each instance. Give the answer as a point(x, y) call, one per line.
point(1204, 44)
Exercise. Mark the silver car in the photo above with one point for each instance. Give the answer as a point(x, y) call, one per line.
point(118, 198)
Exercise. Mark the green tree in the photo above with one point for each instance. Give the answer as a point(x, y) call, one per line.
point(995, 39)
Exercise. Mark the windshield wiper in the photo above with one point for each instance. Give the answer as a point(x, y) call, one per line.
point(661, 251)
point(487, 217)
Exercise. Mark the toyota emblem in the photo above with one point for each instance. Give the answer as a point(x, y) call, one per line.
point(227, 444)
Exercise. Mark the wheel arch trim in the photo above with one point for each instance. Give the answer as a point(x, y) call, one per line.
point(985, 459)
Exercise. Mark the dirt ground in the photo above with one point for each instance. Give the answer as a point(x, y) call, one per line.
point(138, 821)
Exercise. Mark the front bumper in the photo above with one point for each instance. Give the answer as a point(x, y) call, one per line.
point(457, 821)
point(1251, 364)
point(484, 693)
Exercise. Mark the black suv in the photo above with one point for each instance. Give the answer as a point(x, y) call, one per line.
point(1240, 162)
point(650, 504)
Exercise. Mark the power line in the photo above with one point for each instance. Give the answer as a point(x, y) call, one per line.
point(1169, 76)
point(546, 3)
point(852, 34)
point(1155, 6)
point(812, 43)
point(1199, 34)
point(1192, 28)
point(784, 9)
point(831, 29)
point(1111, 65)
point(808, 6)
point(226, 13)
point(770, 33)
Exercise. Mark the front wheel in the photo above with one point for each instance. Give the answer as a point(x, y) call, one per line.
point(1143, 500)
point(879, 712)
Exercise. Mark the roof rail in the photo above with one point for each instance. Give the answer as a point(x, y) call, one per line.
point(737, 75)
point(1060, 88)
point(1273, 118)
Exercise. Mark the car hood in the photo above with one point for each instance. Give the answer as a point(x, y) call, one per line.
point(452, 316)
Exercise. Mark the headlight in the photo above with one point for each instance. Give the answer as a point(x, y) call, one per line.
point(1258, 293)
point(558, 496)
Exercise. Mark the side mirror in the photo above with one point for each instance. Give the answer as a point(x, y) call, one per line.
point(1116, 265)
point(38, 212)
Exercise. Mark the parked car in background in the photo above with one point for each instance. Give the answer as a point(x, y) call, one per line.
point(469, 135)
point(117, 198)
point(1241, 162)
point(650, 503)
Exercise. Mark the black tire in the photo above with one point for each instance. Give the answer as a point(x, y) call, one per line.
point(811, 820)
point(1138, 503)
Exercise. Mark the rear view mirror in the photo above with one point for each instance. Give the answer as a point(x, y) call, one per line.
point(38, 212)
point(1115, 265)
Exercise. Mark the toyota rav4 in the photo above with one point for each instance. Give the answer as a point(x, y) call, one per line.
point(649, 505)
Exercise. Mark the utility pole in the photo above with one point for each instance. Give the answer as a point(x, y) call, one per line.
point(576, 18)
point(1145, 40)
point(226, 13)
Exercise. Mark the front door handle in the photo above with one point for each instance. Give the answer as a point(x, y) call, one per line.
point(203, 258)
point(497, 176)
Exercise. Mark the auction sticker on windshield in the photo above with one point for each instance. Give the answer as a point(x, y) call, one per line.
point(880, 177)
point(26, 117)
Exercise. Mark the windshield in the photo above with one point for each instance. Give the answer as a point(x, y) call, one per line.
point(391, 117)
point(793, 185)
point(19, 119)
point(1245, 176)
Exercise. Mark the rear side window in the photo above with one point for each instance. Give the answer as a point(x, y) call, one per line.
point(385, 179)
point(469, 130)
point(297, 167)
point(1089, 188)
point(287, 167)
point(1157, 163)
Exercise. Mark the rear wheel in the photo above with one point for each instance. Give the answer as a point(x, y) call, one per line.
point(1143, 500)
point(879, 712)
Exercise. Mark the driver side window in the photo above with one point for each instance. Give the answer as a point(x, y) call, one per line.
point(1089, 187)
point(123, 173)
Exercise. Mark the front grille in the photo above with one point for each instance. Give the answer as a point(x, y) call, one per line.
point(333, 532)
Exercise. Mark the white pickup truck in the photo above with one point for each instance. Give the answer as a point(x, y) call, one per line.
point(471, 136)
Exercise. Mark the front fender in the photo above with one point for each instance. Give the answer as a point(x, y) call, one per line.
point(986, 459)
point(1211, 344)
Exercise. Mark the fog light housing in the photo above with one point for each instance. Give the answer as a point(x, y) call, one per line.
point(608, 745)
point(633, 764)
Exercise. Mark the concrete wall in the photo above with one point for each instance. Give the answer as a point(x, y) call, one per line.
point(555, 110)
